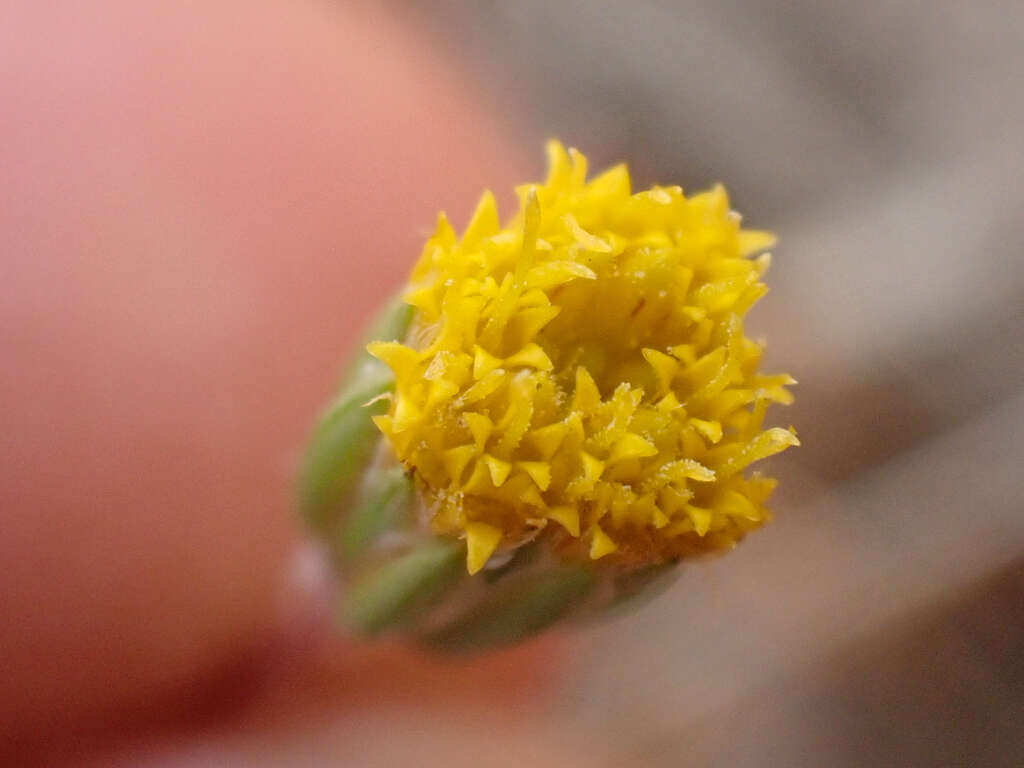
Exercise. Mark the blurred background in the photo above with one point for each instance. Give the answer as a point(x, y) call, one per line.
point(169, 364)
point(880, 620)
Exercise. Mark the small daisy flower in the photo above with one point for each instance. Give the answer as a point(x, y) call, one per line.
point(569, 406)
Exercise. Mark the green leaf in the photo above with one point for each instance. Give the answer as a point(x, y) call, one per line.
point(342, 445)
point(639, 586)
point(517, 609)
point(395, 592)
point(388, 496)
point(346, 436)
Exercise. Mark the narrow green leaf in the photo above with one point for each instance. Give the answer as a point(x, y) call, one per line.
point(516, 609)
point(387, 500)
point(637, 587)
point(394, 593)
point(341, 446)
point(346, 436)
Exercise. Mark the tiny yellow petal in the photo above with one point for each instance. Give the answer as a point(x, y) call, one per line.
point(574, 425)
point(579, 166)
point(548, 439)
point(613, 183)
point(552, 273)
point(655, 195)
point(456, 459)
point(601, 544)
point(481, 541)
point(440, 391)
point(659, 518)
point(763, 263)
point(483, 362)
point(539, 472)
point(568, 517)
point(695, 471)
point(587, 397)
point(533, 319)
point(444, 234)
point(631, 446)
point(486, 387)
point(484, 221)
point(399, 358)
point(665, 367)
point(712, 430)
point(480, 426)
point(753, 240)
point(499, 469)
point(584, 238)
point(701, 518)
point(668, 403)
point(479, 479)
point(559, 164)
point(425, 299)
point(531, 356)
point(592, 470)
point(406, 415)
point(695, 314)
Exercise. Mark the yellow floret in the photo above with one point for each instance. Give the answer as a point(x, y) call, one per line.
point(586, 365)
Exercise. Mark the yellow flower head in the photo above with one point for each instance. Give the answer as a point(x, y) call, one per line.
point(582, 373)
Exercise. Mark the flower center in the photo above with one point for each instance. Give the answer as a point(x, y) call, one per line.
point(583, 374)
